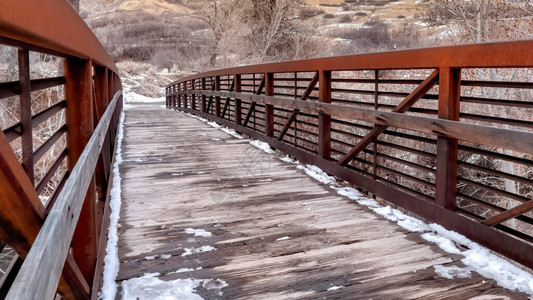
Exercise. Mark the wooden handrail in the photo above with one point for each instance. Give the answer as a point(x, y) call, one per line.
point(490, 136)
point(41, 270)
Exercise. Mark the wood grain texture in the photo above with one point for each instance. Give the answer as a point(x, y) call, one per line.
point(180, 173)
point(519, 141)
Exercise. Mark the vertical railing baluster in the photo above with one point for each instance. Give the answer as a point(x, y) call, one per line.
point(185, 96)
point(324, 120)
point(166, 97)
point(104, 164)
point(180, 97)
point(447, 148)
point(175, 97)
point(25, 113)
point(376, 107)
point(78, 92)
point(296, 115)
point(217, 98)
point(253, 81)
point(269, 109)
point(193, 96)
point(238, 104)
point(204, 97)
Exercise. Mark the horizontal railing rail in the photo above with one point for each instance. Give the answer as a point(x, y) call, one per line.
point(52, 121)
point(445, 133)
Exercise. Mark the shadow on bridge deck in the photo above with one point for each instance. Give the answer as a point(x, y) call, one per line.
point(275, 232)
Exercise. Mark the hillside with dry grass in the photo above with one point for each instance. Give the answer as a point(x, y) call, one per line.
point(169, 38)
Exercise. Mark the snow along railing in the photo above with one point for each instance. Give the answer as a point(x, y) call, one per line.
point(62, 205)
point(435, 131)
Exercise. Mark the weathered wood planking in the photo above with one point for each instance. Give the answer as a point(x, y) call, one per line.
point(180, 173)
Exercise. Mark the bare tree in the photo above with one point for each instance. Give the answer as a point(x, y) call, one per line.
point(224, 20)
point(484, 21)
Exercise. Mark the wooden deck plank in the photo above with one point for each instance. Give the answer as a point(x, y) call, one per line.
point(180, 173)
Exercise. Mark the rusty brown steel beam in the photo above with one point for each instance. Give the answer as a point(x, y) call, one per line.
point(25, 113)
point(305, 96)
point(509, 214)
point(291, 119)
point(238, 104)
point(41, 26)
point(261, 86)
point(79, 95)
point(269, 109)
point(217, 98)
point(311, 86)
point(447, 148)
point(14, 132)
point(41, 185)
point(249, 114)
point(10, 89)
point(101, 173)
point(404, 106)
point(193, 100)
point(514, 54)
point(204, 98)
point(228, 99)
point(324, 119)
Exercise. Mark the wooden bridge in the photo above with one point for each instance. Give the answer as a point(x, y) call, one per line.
point(436, 132)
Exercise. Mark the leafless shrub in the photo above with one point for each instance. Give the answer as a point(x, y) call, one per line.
point(345, 19)
point(307, 13)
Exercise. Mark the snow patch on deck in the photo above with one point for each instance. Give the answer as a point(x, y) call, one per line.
point(198, 232)
point(109, 287)
point(150, 287)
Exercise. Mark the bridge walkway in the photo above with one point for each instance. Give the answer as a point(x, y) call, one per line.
point(198, 203)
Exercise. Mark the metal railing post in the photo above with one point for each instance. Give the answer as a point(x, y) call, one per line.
point(238, 104)
point(447, 148)
point(25, 113)
point(179, 96)
point(193, 96)
point(185, 96)
point(78, 92)
point(269, 109)
point(324, 120)
point(217, 98)
point(204, 98)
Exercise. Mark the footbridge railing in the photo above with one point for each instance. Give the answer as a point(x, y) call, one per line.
point(56, 149)
point(446, 133)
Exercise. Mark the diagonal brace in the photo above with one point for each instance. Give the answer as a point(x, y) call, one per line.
point(291, 119)
point(310, 87)
point(232, 88)
point(261, 86)
point(509, 214)
point(404, 106)
point(305, 96)
point(249, 114)
point(210, 98)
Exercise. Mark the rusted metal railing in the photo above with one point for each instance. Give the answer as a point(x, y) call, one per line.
point(57, 237)
point(445, 133)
